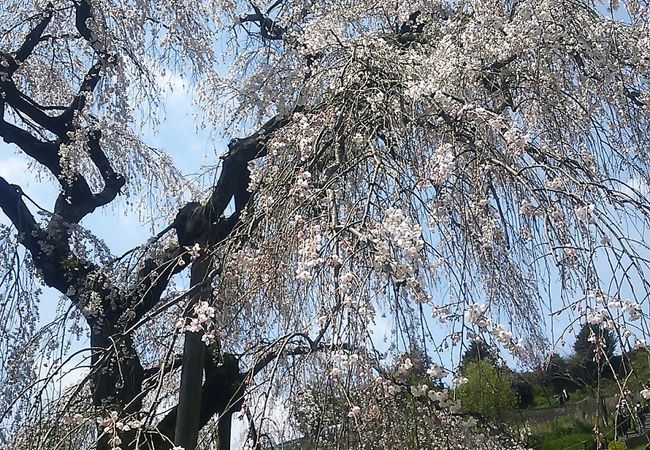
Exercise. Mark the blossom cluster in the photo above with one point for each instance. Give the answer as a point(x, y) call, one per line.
point(202, 322)
point(112, 425)
point(476, 315)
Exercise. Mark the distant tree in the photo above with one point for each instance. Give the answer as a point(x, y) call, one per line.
point(479, 351)
point(379, 152)
point(593, 354)
point(555, 373)
point(525, 393)
point(488, 391)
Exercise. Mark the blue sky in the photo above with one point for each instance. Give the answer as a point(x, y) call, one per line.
point(191, 150)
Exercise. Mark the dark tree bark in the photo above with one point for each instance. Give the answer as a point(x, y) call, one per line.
point(117, 376)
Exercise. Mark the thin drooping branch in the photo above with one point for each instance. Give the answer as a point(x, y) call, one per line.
point(118, 385)
point(297, 349)
point(77, 199)
point(222, 389)
point(225, 384)
point(205, 224)
point(117, 375)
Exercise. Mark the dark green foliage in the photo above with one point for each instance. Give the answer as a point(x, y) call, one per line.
point(556, 374)
point(524, 391)
point(592, 358)
point(479, 351)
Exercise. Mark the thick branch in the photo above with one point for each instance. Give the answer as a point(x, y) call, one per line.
point(234, 170)
point(83, 14)
point(78, 200)
point(21, 102)
point(88, 85)
point(113, 182)
point(43, 152)
point(224, 386)
point(59, 268)
point(267, 26)
point(205, 223)
point(16, 210)
point(31, 40)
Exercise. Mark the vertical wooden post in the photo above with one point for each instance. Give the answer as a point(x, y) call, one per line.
point(189, 399)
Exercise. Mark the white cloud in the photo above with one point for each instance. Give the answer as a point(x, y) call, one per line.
point(15, 169)
point(11, 166)
point(178, 132)
point(381, 332)
point(276, 424)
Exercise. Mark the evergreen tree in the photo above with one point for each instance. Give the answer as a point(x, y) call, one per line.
point(479, 351)
point(593, 351)
point(379, 153)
